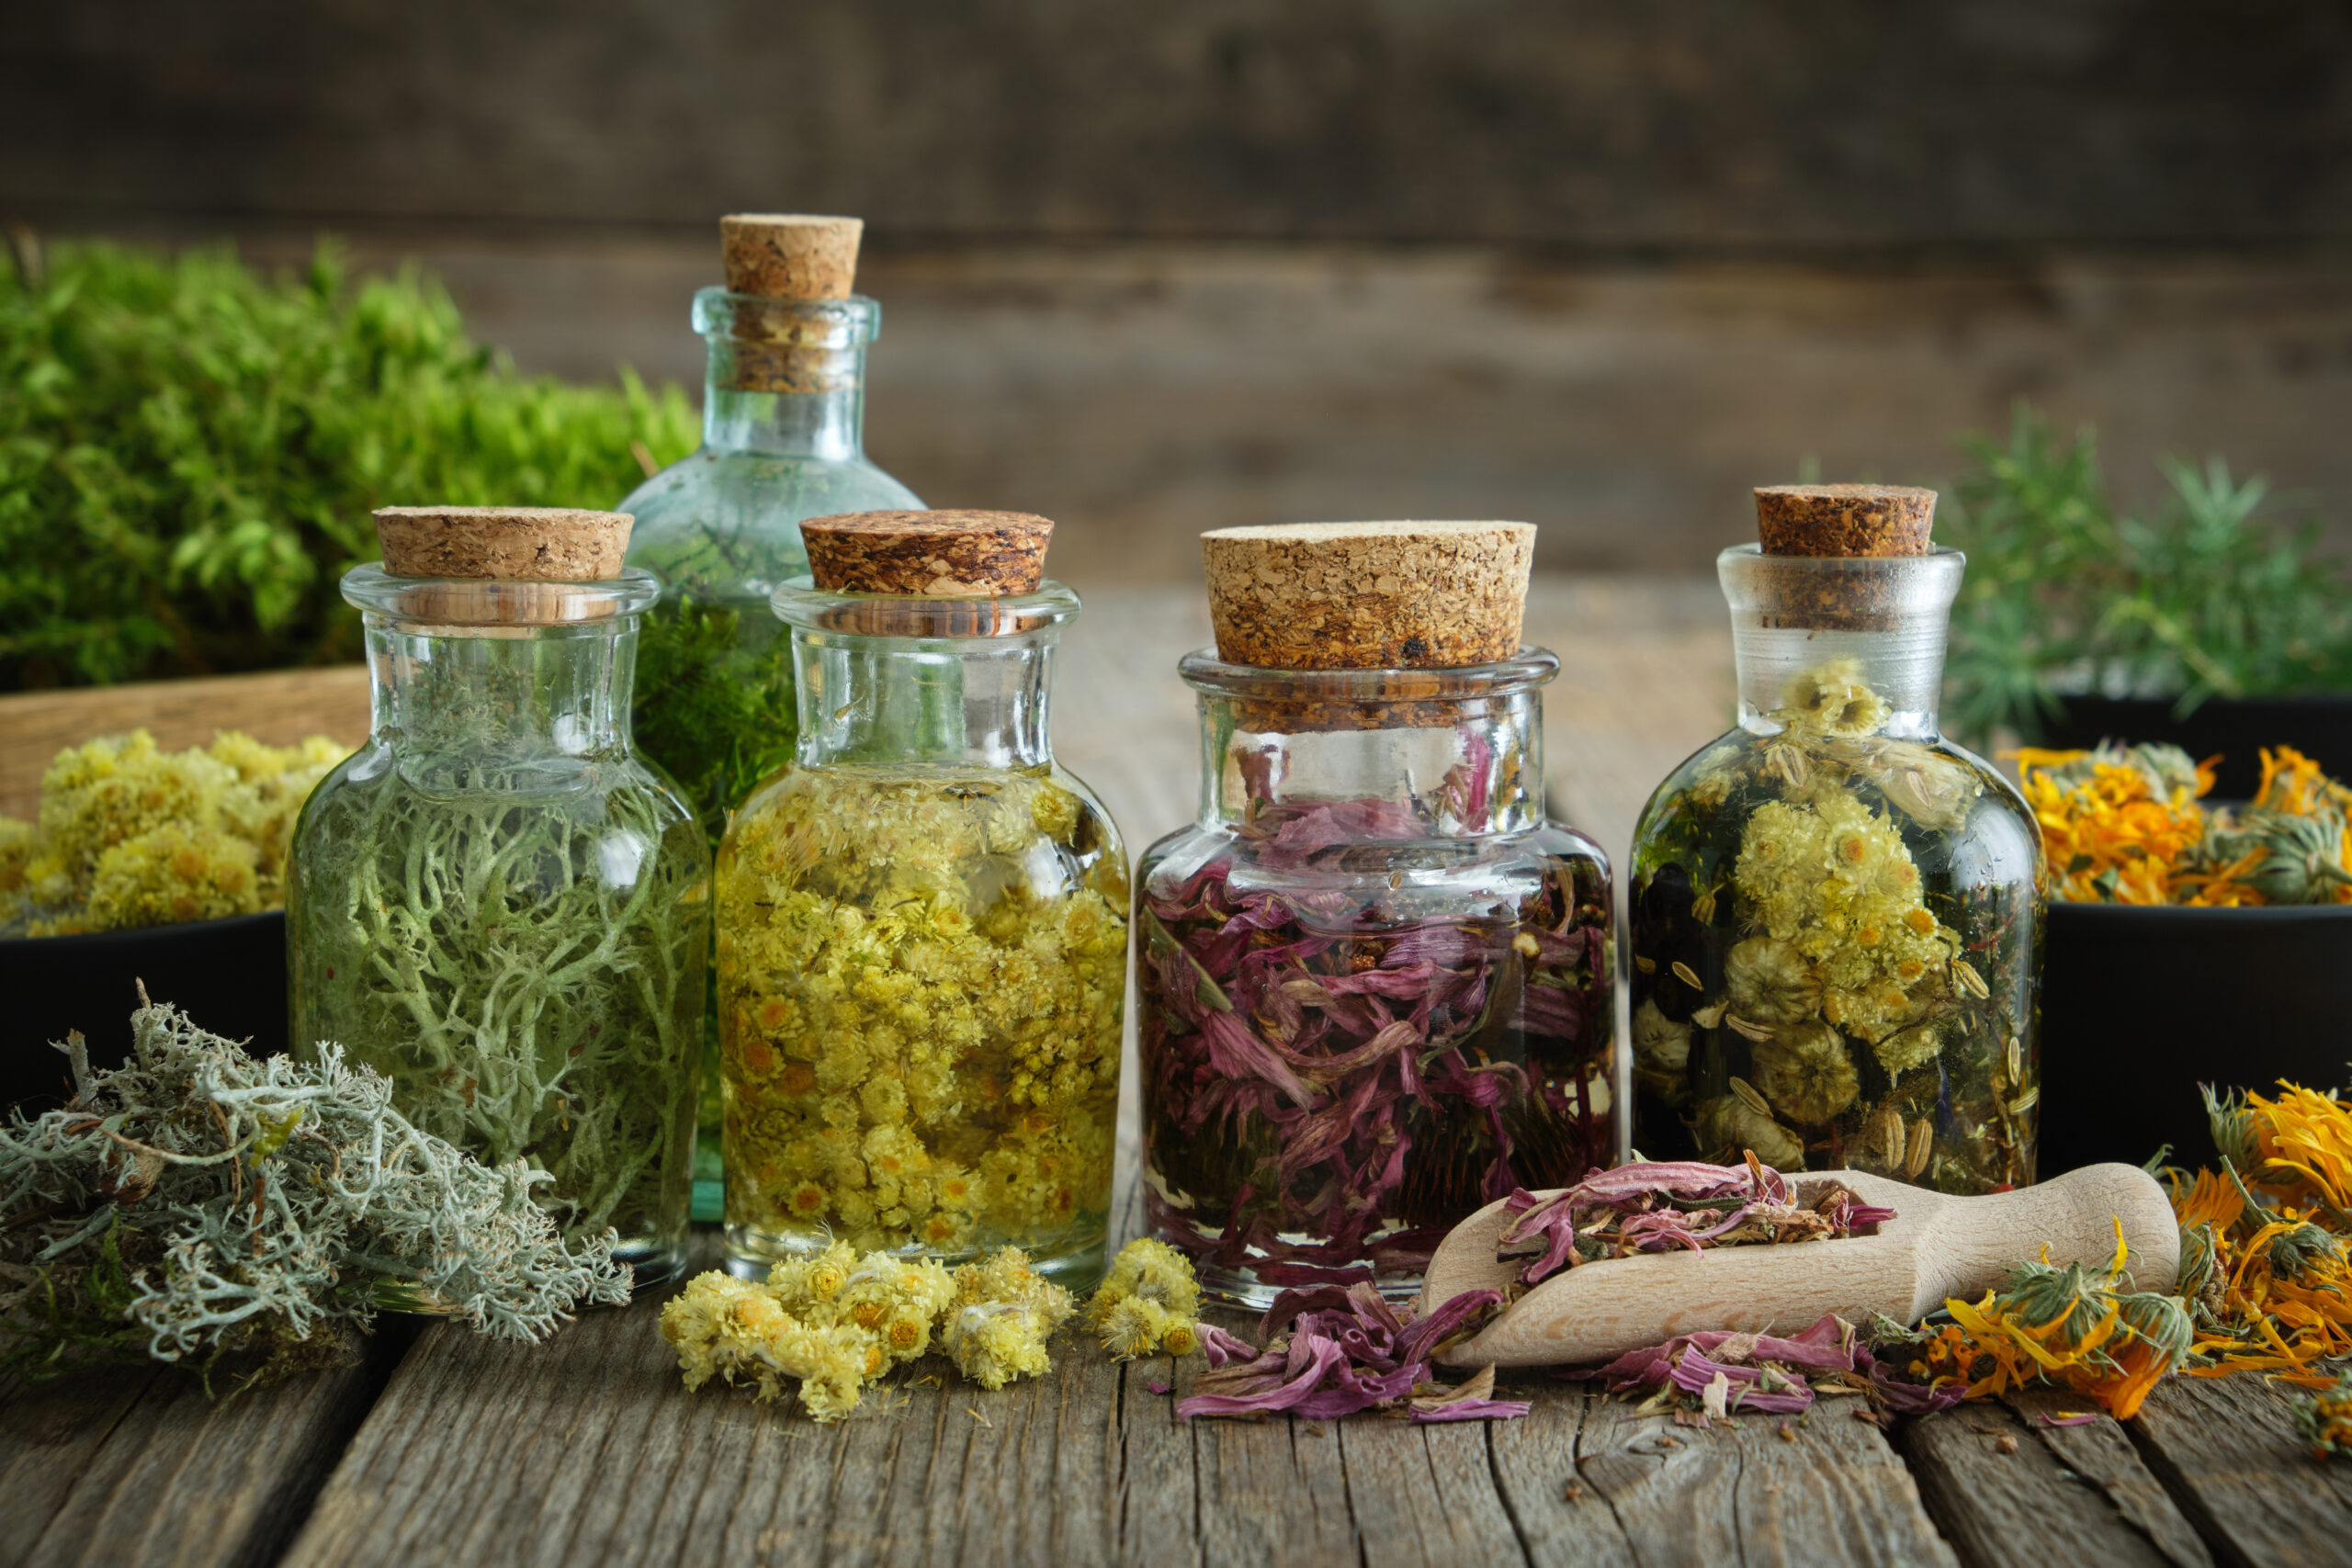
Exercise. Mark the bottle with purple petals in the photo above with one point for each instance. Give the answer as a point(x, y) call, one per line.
point(1375, 982)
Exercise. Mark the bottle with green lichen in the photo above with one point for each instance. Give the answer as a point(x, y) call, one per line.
point(496, 903)
point(1837, 913)
point(784, 419)
point(922, 928)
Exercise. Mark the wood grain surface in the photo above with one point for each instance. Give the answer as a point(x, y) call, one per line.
point(279, 708)
point(585, 1450)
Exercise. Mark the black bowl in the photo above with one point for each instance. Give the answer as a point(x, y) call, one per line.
point(227, 975)
point(2236, 728)
point(2139, 1006)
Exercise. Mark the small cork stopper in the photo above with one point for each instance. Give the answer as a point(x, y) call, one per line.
point(931, 554)
point(1368, 595)
point(790, 256)
point(1845, 520)
point(510, 544)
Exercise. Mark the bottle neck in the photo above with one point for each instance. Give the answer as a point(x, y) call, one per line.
point(1442, 753)
point(878, 701)
point(829, 425)
point(502, 696)
point(1841, 647)
point(785, 376)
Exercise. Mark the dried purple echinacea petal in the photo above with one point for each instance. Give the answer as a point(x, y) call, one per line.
point(1331, 1352)
point(1762, 1371)
point(1333, 1078)
point(1654, 1206)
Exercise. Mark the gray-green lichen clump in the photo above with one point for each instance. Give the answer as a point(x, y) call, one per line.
point(198, 1200)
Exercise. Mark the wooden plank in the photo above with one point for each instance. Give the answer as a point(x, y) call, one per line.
point(135, 1466)
point(279, 708)
point(2005, 1488)
point(1562, 1517)
point(1828, 1491)
point(585, 1450)
point(2226, 1449)
point(1670, 129)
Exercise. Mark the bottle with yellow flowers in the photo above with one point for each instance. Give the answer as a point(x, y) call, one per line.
point(1836, 912)
point(921, 919)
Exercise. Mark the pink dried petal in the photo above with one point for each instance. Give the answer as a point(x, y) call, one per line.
point(1320, 1355)
point(1235, 1049)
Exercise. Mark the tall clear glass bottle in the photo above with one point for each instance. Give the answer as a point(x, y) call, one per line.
point(784, 418)
point(500, 907)
point(1836, 912)
point(922, 945)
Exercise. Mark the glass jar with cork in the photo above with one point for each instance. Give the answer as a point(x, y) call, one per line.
point(1375, 982)
point(1836, 912)
point(923, 920)
point(784, 419)
point(495, 902)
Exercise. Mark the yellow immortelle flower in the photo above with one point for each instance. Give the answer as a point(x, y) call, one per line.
point(914, 988)
point(130, 835)
point(1148, 1270)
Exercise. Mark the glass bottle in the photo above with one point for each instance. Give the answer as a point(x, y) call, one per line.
point(784, 419)
point(921, 948)
point(1836, 912)
point(1375, 984)
point(498, 905)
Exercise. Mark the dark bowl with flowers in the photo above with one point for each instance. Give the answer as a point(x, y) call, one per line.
point(228, 973)
point(2140, 1004)
point(2236, 729)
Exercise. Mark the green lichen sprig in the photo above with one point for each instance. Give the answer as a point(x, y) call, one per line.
point(204, 1201)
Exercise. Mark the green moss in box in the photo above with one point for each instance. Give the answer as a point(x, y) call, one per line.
point(189, 451)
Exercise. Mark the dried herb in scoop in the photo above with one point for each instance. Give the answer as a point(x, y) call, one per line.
point(1657, 1206)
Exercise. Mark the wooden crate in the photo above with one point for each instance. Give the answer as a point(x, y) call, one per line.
point(279, 706)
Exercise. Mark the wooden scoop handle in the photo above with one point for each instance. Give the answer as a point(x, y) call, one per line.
point(1935, 1247)
point(1968, 1245)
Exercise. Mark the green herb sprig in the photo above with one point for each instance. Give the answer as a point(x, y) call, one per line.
point(189, 451)
point(2064, 594)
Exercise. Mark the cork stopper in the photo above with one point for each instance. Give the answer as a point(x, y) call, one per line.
point(931, 554)
point(1848, 521)
point(790, 256)
point(1368, 595)
point(508, 544)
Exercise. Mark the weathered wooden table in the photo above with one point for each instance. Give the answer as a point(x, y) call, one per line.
point(447, 1449)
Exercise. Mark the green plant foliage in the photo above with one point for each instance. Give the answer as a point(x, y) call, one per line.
point(2065, 594)
point(716, 707)
point(189, 451)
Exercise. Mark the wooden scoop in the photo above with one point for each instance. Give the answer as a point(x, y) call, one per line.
point(1936, 1246)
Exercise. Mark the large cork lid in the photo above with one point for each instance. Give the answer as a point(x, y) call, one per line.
point(1845, 520)
point(790, 256)
point(1368, 595)
point(932, 555)
point(510, 544)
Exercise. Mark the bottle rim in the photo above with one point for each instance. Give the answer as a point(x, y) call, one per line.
point(475, 602)
point(899, 618)
point(833, 325)
point(1528, 670)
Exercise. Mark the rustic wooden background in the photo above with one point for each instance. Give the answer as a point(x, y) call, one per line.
point(1148, 269)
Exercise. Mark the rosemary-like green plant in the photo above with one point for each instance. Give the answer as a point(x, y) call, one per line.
point(199, 1201)
point(189, 451)
point(524, 963)
point(2064, 594)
